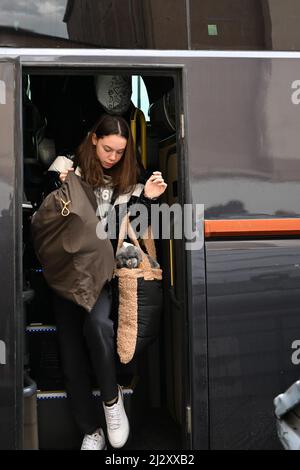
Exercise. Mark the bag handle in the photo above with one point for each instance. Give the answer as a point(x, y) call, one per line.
point(148, 240)
point(126, 227)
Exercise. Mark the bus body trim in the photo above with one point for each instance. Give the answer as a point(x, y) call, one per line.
point(258, 227)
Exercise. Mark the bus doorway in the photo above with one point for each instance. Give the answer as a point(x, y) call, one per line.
point(58, 111)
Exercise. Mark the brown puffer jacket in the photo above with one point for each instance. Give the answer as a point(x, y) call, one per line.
point(76, 262)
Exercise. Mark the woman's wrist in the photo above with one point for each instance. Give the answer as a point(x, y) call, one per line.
point(148, 197)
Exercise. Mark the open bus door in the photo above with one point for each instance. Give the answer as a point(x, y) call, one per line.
point(11, 328)
point(167, 365)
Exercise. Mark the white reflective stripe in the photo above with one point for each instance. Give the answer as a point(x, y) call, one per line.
point(50, 395)
point(62, 394)
point(2, 352)
point(41, 329)
point(132, 53)
point(2, 92)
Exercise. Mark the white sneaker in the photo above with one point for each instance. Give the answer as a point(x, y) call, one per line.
point(94, 441)
point(116, 422)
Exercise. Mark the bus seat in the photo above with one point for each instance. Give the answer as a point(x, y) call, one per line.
point(39, 151)
point(162, 114)
point(46, 152)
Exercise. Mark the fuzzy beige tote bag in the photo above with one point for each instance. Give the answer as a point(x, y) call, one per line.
point(139, 297)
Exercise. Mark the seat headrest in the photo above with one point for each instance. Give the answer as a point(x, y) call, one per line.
point(114, 93)
point(46, 152)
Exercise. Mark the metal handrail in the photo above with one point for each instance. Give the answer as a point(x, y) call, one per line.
point(138, 114)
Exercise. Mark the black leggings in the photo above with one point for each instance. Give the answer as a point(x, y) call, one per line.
point(87, 339)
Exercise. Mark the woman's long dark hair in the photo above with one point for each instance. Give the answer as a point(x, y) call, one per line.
point(124, 173)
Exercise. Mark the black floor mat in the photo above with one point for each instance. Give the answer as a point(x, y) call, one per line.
point(157, 431)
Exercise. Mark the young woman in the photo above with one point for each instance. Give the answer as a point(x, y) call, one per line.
point(106, 161)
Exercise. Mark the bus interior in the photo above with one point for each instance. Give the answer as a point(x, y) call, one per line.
point(59, 108)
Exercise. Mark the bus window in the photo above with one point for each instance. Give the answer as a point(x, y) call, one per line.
point(140, 95)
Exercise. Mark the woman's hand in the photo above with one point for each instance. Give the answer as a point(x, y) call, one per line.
point(155, 185)
point(63, 174)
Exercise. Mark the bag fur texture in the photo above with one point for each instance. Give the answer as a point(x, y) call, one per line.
point(139, 295)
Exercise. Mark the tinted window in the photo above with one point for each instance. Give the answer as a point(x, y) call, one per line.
point(93, 23)
point(152, 24)
point(128, 23)
point(234, 24)
point(245, 24)
point(22, 21)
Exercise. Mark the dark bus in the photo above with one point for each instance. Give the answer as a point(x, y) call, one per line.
point(217, 89)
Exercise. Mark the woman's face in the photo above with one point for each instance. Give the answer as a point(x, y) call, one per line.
point(109, 149)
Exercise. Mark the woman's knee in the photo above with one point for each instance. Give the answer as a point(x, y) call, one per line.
point(100, 316)
point(99, 323)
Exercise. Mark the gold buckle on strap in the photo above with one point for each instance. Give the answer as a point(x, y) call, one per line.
point(65, 211)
